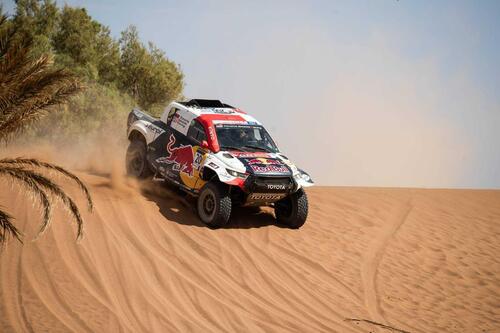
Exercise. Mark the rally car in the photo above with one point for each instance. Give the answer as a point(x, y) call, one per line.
point(219, 154)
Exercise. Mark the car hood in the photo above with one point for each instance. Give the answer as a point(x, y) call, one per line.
point(266, 164)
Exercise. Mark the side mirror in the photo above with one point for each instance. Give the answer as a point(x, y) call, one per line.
point(204, 144)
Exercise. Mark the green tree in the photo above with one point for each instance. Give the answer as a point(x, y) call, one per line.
point(87, 46)
point(75, 41)
point(146, 74)
point(107, 57)
point(166, 81)
point(117, 73)
point(133, 61)
point(37, 20)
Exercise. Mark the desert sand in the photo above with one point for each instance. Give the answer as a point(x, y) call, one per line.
point(413, 259)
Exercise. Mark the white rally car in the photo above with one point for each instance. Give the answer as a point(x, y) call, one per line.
point(219, 154)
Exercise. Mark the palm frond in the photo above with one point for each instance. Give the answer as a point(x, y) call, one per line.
point(31, 177)
point(7, 228)
point(36, 163)
point(36, 95)
point(10, 79)
point(34, 188)
point(29, 89)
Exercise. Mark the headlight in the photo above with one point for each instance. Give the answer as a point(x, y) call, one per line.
point(303, 176)
point(237, 174)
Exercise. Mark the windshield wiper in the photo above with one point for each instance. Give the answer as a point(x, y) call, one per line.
point(257, 147)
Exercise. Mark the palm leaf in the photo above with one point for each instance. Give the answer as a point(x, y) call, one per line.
point(36, 163)
point(29, 89)
point(32, 179)
point(7, 228)
point(35, 189)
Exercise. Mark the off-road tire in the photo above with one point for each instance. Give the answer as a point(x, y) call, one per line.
point(136, 161)
point(292, 210)
point(216, 194)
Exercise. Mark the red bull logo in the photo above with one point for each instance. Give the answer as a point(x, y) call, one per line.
point(265, 161)
point(274, 162)
point(181, 157)
point(254, 161)
point(267, 165)
point(269, 168)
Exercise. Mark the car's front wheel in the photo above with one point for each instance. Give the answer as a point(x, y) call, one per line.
point(292, 210)
point(214, 205)
point(136, 162)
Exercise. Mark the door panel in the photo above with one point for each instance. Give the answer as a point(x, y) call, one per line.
point(173, 155)
point(179, 157)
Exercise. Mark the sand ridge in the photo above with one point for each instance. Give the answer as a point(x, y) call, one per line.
point(416, 260)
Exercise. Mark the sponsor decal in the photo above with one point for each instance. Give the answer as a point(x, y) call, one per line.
point(265, 161)
point(197, 160)
point(223, 111)
point(232, 123)
point(211, 133)
point(269, 168)
point(154, 128)
point(213, 165)
point(229, 122)
point(276, 187)
point(180, 120)
point(181, 157)
point(266, 196)
point(266, 165)
point(250, 155)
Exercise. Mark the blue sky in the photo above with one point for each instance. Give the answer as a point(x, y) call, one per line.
point(375, 93)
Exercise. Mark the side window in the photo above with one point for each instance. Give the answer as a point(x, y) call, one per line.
point(171, 116)
point(196, 131)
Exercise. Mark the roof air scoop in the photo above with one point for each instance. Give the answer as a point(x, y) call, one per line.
point(206, 103)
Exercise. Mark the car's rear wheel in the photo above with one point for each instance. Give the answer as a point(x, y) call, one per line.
point(292, 210)
point(136, 162)
point(214, 205)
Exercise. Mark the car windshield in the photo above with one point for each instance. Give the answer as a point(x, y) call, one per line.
point(245, 138)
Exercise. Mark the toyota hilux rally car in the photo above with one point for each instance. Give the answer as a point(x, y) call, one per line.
point(219, 154)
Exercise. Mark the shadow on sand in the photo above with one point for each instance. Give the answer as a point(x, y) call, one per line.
point(178, 207)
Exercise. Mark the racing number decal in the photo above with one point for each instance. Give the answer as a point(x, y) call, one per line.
point(198, 157)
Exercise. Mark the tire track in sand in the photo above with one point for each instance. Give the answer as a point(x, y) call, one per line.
point(25, 322)
point(373, 256)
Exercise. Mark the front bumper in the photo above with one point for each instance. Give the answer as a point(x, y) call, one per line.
point(267, 189)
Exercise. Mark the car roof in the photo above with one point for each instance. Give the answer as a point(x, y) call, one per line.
point(210, 113)
point(206, 103)
point(215, 112)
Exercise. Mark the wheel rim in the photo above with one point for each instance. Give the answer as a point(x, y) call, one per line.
point(136, 164)
point(207, 205)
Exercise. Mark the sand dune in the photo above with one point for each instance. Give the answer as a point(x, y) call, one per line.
point(416, 260)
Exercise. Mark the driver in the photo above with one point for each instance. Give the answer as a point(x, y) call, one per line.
point(244, 135)
point(240, 135)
